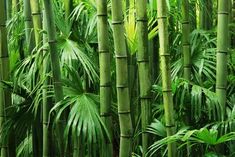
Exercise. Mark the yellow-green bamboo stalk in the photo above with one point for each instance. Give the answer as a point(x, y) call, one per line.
point(5, 95)
point(185, 39)
point(68, 8)
point(105, 72)
point(9, 9)
point(222, 50)
point(15, 6)
point(59, 94)
point(166, 75)
point(37, 21)
point(29, 36)
point(122, 86)
point(143, 70)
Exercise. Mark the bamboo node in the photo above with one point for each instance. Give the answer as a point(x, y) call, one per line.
point(223, 12)
point(2, 146)
point(161, 17)
point(186, 44)
point(146, 97)
point(102, 14)
point(109, 84)
point(124, 112)
point(125, 136)
point(188, 66)
point(121, 56)
point(165, 54)
point(2, 25)
point(44, 49)
point(143, 60)
point(4, 56)
point(170, 126)
point(122, 86)
point(36, 13)
point(46, 123)
point(103, 51)
point(220, 87)
point(52, 41)
point(223, 52)
point(142, 20)
point(166, 90)
point(27, 19)
point(57, 82)
point(117, 22)
point(105, 114)
point(185, 22)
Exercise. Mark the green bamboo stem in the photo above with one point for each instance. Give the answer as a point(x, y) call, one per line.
point(166, 75)
point(222, 50)
point(37, 21)
point(105, 72)
point(68, 8)
point(206, 10)
point(122, 86)
point(185, 40)
point(15, 6)
point(51, 30)
point(37, 25)
point(233, 21)
point(9, 9)
point(193, 17)
point(143, 70)
point(29, 36)
point(46, 108)
point(5, 95)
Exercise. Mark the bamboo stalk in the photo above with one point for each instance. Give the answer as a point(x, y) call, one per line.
point(37, 21)
point(222, 50)
point(68, 8)
point(143, 70)
point(29, 36)
point(9, 9)
point(5, 95)
point(185, 39)
point(51, 30)
point(166, 75)
point(105, 72)
point(123, 98)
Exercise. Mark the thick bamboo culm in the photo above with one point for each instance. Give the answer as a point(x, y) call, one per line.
point(143, 70)
point(166, 74)
point(105, 72)
point(185, 39)
point(222, 51)
point(5, 95)
point(123, 98)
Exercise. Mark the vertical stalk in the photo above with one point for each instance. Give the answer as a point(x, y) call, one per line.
point(51, 30)
point(9, 9)
point(30, 41)
point(123, 98)
point(68, 8)
point(46, 108)
point(185, 39)
point(206, 11)
point(15, 6)
point(233, 21)
point(37, 20)
point(143, 70)
point(166, 75)
point(222, 50)
point(193, 14)
point(105, 71)
point(5, 95)
point(37, 24)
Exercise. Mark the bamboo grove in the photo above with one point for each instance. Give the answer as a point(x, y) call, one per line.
point(117, 78)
